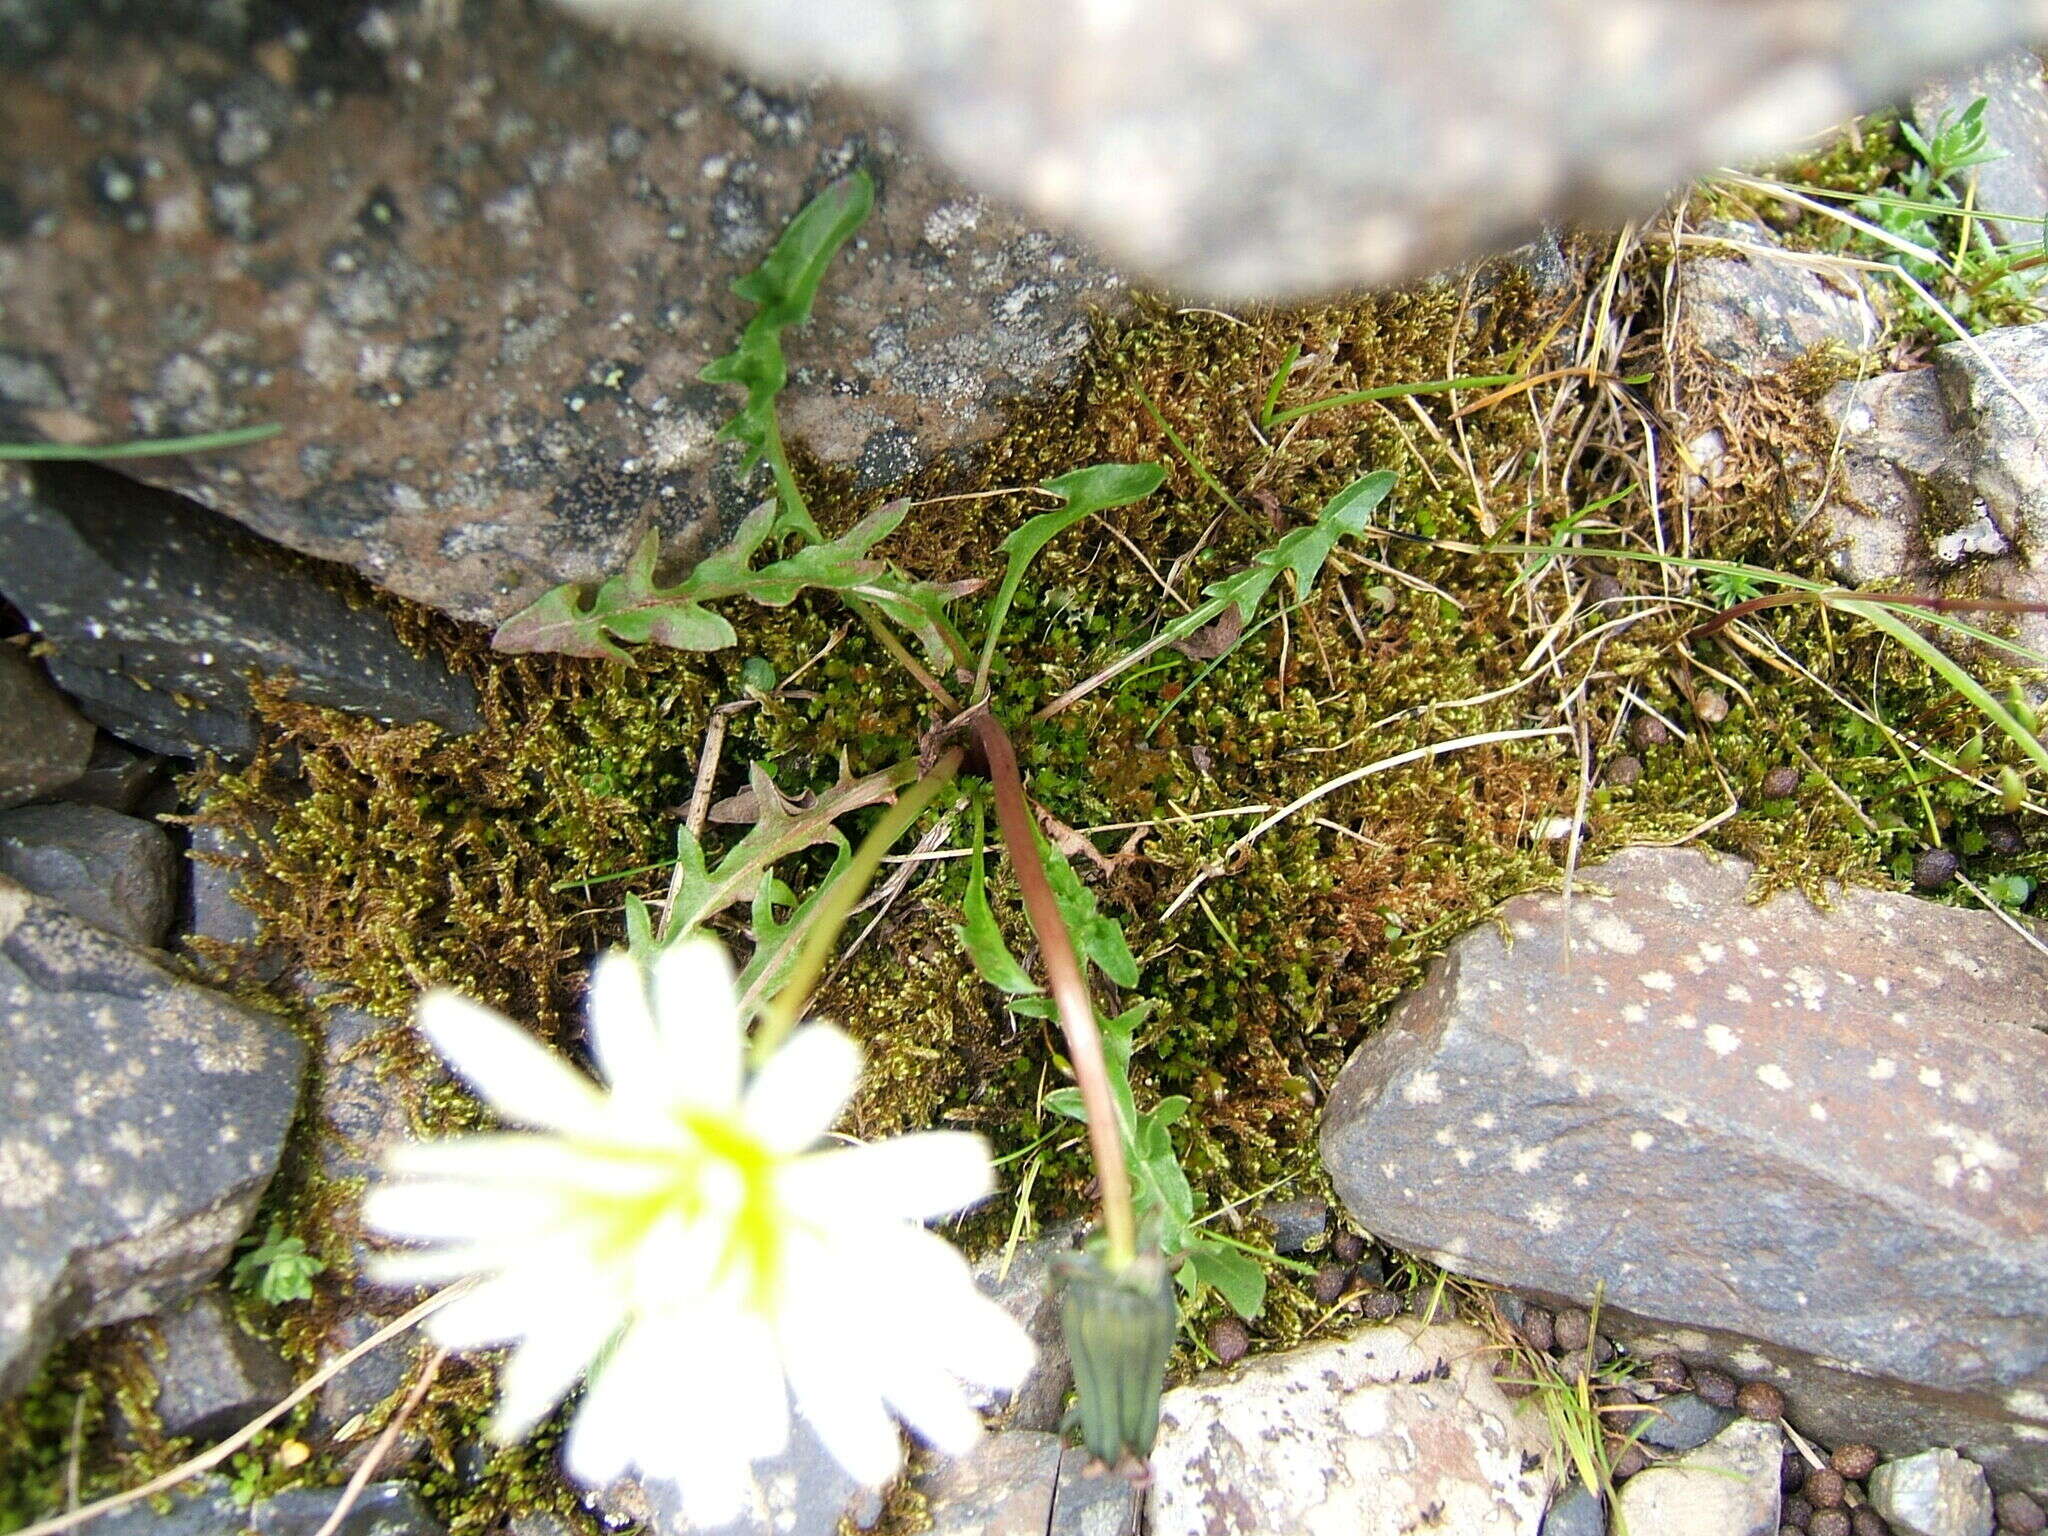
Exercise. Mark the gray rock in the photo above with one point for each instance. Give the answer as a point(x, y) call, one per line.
point(354, 1404)
point(1004, 1487)
point(203, 1507)
point(1936, 1493)
point(1022, 1285)
point(45, 743)
point(475, 271)
point(1362, 1435)
point(212, 1375)
point(143, 1118)
point(156, 610)
point(1754, 313)
point(116, 776)
point(802, 1492)
point(1298, 1226)
point(382, 1509)
point(1728, 1487)
point(1234, 151)
point(2016, 120)
point(1796, 1141)
point(117, 872)
point(1092, 1500)
point(1576, 1512)
point(1683, 1421)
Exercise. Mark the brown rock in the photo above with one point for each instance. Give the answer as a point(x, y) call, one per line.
point(2021, 1513)
point(474, 270)
point(1845, 1102)
point(46, 743)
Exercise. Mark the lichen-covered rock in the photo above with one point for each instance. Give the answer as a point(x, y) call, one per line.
point(1003, 1487)
point(1274, 149)
point(117, 872)
point(1936, 1493)
point(142, 1119)
point(1365, 1435)
point(2014, 183)
point(155, 612)
point(1803, 1142)
point(45, 744)
point(472, 259)
point(1728, 1487)
point(1754, 308)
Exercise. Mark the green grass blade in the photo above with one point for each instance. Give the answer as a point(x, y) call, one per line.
point(146, 448)
point(1395, 392)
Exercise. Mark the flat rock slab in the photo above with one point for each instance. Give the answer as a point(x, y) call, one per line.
point(119, 873)
point(473, 258)
point(1363, 1436)
point(155, 611)
point(141, 1119)
point(1936, 1493)
point(1808, 1142)
point(45, 744)
point(212, 1375)
point(1728, 1487)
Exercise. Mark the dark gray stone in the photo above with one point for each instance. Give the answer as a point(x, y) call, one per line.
point(1575, 1512)
point(1936, 1493)
point(802, 1492)
point(1092, 1500)
point(212, 1375)
point(383, 1509)
point(44, 743)
point(1728, 1487)
point(143, 1117)
point(203, 1507)
point(116, 777)
point(117, 872)
point(2016, 120)
point(1298, 1226)
point(1238, 152)
point(474, 274)
point(1003, 1487)
point(354, 1404)
point(1754, 313)
point(156, 610)
point(1683, 1421)
point(1022, 1285)
point(1798, 1142)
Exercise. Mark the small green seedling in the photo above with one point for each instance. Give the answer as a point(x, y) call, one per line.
point(278, 1269)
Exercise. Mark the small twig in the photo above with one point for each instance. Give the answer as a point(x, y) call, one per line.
point(908, 662)
point(1997, 910)
point(707, 772)
point(360, 1478)
point(207, 1460)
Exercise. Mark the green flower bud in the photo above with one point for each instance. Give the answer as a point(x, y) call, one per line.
point(1119, 1329)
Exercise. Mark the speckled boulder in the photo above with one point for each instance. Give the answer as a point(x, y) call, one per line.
point(1728, 1487)
point(1394, 1429)
point(472, 258)
point(142, 1118)
point(1805, 1143)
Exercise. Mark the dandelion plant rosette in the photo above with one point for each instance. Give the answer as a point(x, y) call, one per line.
point(676, 1237)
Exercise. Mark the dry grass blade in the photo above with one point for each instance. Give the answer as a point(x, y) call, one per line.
point(370, 1463)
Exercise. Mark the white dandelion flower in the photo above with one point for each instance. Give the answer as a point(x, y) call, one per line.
point(676, 1238)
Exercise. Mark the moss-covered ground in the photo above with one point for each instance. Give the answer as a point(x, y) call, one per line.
point(399, 858)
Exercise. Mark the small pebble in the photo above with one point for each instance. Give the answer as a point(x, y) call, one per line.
point(1791, 1472)
point(1667, 1372)
point(1781, 783)
point(1629, 1463)
point(1796, 1512)
point(1935, 868)
point(2021, 1513)
point(1347, 1247)
point(1828, 1522)
point(1648, 731)
point(1622, 771)
point(1868, 1522)
point(1377, 1306)
point(1603, 1349)
point(1230, 1341)
point(1539, 1329)
point(2002, 835)
point(1716, 1387)
point(1603, 588)
point(1760, 1400)
point(1710, 705)
point(1855, 1462)
point(1574, 1327)
point(1331, 1281)
point(1823, 1488)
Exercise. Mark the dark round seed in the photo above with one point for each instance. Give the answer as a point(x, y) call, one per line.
point(1828, 1522)
point(1868, 1522)
point(1796, 1512)
point(2021, 1513)
point(1711, 705)
point(1378, 1306)
point(1822, 1488)
point(1629, 1462)
point(1230, 1341)
point(1539, 1329)
point(1648, 731)
point(1855, 1462)
point(2002, 835)
point(1574, 1327)
point(1622, 771)
point(1781, 783)
point(1760, 1400)
point(1791, 1472)
point(1331, 1280)
point(1716, 1387)
point(1347, 1247)
point(1603, 1349)
point(1667, 1372)
point(1934, 869)
point(1603, 588)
